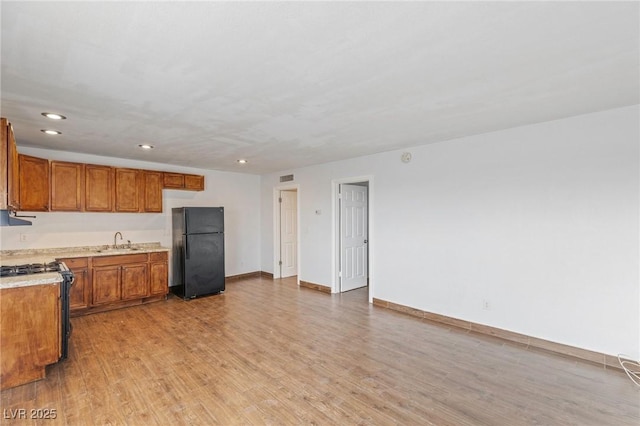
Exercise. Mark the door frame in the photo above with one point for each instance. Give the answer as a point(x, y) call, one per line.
point(335, 231)
point(276, 229)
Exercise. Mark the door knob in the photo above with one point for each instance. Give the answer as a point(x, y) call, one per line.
point(366, 241)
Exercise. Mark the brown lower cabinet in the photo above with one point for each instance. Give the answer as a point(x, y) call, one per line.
point(109, 282)
point(158, 273)
point(29, 333)
point(119, 278)
point(80, 295)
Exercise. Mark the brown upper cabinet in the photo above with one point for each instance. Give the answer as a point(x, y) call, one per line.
point(4, 172)
point(127, 190)
point(37, 184)
point(98, 194)
point(183, 181)
point(14, 174)
point(152, 182)
point(194, 182)
point(9, 173)
point(34, 171)
point(67, 187)
point(173, 180)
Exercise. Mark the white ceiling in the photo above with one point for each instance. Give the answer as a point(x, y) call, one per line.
point(290, 84)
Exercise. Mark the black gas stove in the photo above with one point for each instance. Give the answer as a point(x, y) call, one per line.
point(65, 288)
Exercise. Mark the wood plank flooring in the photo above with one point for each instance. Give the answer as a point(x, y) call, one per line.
point(268, 352)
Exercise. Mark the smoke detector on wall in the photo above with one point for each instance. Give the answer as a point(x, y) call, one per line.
point(405, 157)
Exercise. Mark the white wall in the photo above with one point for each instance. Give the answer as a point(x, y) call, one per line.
point(540, 221)
point(238, 193)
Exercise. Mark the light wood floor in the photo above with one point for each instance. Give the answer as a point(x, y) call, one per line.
point(267, 352)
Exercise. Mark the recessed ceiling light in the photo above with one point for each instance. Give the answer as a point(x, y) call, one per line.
point(242, 161)
point(146, 146)
point(51, 132)
point(54, 116)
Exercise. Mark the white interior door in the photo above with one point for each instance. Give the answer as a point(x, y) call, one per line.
point(353, 237)
point(288, 233)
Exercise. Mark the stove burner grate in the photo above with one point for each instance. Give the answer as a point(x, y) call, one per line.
point(28, 269)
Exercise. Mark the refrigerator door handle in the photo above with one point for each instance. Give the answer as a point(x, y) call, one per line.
point(186, 247)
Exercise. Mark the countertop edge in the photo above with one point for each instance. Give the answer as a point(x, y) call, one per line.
point(75, 254)
point(30, 280)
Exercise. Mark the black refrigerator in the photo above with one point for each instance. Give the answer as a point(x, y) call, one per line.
point(198, 251)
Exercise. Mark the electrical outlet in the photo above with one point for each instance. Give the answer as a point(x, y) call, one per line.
point(485, 305)
point(24, 237)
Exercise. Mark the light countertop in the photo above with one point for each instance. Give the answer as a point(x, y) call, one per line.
point(21, 257)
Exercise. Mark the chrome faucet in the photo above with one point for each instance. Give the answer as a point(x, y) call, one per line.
point(115, 245)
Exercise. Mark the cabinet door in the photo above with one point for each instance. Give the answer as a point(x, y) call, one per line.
point(152, 192)
point(194, 182)
point(105, 284)
point(173, 180)
point(30, 332)
point(98, 194)
point(79, 295)
point(159, 278)
point(4, 150)
point(34, 183)
point(135, 281)
point(127, 190)
point(66, 186)
point(13, 175)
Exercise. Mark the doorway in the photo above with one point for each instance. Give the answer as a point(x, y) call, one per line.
point(288, 262)
point(286, 253)
point(352, 231)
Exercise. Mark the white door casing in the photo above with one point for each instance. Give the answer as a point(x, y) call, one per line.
point(353, 236)
point(288, 233)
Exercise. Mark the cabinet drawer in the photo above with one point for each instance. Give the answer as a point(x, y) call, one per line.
point(120, 259)
point(76, 262)
point(158, 256)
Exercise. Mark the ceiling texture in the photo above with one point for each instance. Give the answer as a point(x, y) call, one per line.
point(291, 84)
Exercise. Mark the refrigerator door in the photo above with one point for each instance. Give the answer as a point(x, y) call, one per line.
point(203, 220)
point(203, 264)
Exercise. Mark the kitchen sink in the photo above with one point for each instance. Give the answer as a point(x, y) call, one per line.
point(119, 249)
